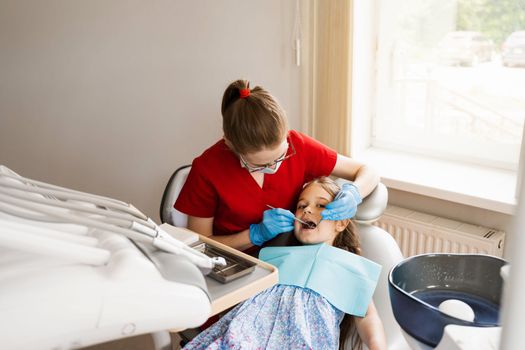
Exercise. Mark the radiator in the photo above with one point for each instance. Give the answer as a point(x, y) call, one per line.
point(418, 233)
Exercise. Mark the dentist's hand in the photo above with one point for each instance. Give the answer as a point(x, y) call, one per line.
point(274, 221)
point(344, 205)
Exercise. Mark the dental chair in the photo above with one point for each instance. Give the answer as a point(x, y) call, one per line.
point(377, 244)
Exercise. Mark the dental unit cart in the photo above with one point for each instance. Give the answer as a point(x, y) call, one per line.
point(77, 269)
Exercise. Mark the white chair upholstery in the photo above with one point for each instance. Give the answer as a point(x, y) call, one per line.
point(377, 245)
point(168, 214)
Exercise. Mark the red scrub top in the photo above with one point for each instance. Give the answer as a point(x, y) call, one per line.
point(218, 187)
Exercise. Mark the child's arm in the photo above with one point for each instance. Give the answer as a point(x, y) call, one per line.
point(370, 329)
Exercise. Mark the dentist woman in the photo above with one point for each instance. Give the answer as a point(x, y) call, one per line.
point(259, 164)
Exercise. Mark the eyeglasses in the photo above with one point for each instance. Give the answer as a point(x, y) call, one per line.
point(269, 166)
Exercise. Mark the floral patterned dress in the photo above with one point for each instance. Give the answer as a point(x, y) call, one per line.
point(281, 317)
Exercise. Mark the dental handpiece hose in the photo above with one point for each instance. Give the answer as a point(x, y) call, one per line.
point(147, 231)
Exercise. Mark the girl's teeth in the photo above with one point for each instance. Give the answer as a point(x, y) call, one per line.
point(309, 225)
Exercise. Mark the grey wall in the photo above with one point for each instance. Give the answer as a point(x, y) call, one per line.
point(110, 97)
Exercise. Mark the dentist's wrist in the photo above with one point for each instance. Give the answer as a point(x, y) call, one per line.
point(255, 234)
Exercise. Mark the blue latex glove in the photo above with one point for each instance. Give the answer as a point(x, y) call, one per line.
point(274, 221)
point(344, 204)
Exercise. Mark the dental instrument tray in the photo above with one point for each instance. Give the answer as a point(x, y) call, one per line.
point(236, 266)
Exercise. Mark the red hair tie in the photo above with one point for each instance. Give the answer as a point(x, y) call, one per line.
point(244, 93)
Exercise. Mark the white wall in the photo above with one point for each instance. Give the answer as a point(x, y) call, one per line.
point(110, 97)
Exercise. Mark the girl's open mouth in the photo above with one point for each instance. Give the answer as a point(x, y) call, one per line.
point(308, 225)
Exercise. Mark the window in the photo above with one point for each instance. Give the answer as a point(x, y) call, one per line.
point(438, 97)
point(450, 79)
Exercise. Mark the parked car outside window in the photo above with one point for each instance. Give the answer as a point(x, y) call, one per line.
point(465, 48)
point(513, 50)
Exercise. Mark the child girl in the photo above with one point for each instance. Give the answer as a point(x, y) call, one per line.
point(292, 317)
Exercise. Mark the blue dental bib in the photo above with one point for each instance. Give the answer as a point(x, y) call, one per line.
point(345, 279)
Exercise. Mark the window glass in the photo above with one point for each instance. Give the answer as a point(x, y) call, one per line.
point(451, 79)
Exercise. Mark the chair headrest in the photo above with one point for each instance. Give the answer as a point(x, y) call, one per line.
point(373, 205)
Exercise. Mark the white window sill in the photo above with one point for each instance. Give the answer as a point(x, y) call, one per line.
point(472, 185)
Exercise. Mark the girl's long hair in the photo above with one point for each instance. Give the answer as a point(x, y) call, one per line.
point(348, 240)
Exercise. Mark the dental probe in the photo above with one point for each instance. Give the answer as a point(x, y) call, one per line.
point(295, 217)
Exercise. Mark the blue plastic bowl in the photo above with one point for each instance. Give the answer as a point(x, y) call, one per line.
point(418, 285)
